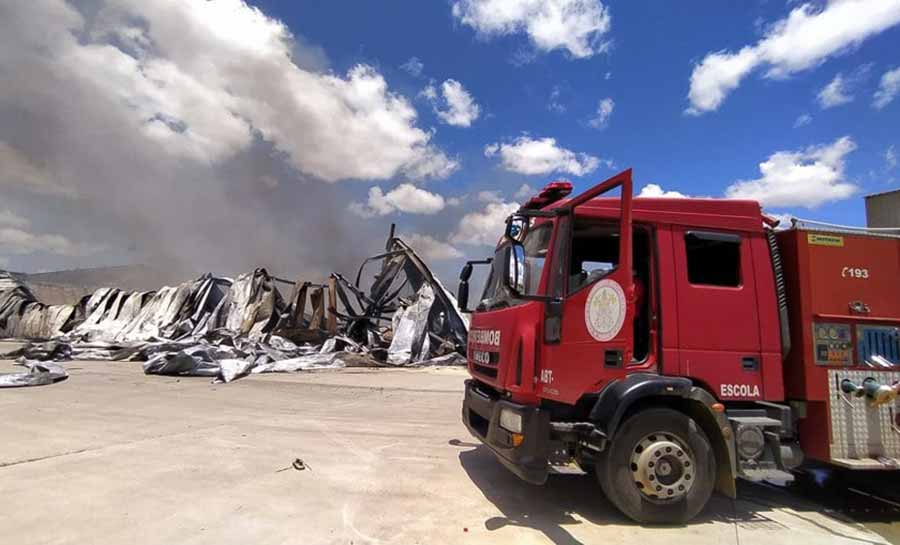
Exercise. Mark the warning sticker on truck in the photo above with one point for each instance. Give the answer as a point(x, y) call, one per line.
point(825, 240)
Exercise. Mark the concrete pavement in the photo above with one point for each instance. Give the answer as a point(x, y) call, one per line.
point(113, 456)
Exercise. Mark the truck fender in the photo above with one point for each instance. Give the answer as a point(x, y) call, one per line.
point(618, 395)
point(680, 394)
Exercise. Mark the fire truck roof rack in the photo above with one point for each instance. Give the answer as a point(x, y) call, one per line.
point(812, 225)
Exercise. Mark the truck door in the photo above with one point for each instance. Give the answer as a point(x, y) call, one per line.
point(718, 319)
point(596, 299)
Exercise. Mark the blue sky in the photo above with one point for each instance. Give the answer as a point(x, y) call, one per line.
point(654, 50)
point(136, 116)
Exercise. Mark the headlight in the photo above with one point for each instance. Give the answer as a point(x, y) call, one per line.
point(510, 421)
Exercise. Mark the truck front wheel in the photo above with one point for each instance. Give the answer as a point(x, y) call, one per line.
point(659, 467)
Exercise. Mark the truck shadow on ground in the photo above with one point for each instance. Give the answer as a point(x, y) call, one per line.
point(869, 498)
point(570, 500)
point(551, 508)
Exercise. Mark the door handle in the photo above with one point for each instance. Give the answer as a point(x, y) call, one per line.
point(750, 363)
point(612, 358)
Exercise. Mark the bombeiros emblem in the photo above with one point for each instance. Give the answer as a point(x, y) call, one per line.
point(604, 310)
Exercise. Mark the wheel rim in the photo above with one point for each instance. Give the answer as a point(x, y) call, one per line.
point(662, 466)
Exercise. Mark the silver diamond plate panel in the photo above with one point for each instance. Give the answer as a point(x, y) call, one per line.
point(863, 435)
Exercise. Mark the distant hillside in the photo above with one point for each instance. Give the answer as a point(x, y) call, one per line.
point(60, 287)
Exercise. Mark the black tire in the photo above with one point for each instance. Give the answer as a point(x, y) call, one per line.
point(617, 478)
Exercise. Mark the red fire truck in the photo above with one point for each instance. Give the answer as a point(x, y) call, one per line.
point(672, 345)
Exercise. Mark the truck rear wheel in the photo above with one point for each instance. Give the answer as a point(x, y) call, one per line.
point(659, 468)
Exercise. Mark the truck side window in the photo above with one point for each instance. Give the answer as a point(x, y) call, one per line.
point(713, 259)
point(595, 252)
point(536, 244)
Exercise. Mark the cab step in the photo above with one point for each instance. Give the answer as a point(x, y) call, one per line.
point(765, 474)
point(570, 468)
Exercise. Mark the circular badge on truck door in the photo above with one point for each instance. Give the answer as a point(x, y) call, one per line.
point(604, 310)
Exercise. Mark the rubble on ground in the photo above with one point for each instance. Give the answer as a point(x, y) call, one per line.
point(38, 374)
point(223, 328)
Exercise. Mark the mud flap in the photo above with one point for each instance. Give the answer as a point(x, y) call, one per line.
point(721, 439)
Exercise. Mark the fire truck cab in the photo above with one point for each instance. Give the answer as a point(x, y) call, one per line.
point(640, 339)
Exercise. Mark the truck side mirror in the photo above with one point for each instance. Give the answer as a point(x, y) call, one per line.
point(462, 295)
point(466, 272)
point(462, 292)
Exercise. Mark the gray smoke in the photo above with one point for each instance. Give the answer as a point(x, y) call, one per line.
point(200, 135)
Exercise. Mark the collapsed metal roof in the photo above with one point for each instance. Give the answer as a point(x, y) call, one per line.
point(228, 328)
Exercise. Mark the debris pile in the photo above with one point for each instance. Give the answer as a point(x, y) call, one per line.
point(23, 317)
point(38, 374)
point(226, 329)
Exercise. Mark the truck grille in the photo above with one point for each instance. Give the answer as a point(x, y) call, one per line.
point(484, 362)
point(485, 370)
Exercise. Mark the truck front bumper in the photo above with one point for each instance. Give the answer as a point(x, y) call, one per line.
point(481, 415)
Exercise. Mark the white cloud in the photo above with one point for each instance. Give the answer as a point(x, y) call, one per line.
point(525, 191)
point(807, 178)
point(430, 248)
point(655, 191)
point(429, 92)
point(577, 26)
point(807, 37)
point(403, 198)
point(834, 94)
point(888, 88)
point(604, 111)
point(17, 241)
point(490, 196)
point(839, 90)
point(527, 155)
point(716, 76)
point(802, 121)
point(890, 158)
point(9, 218)
point(413, 66)
point(555, 105)
point(200, 79)
point(484, 227)
point(454, 105)
point(361, 209)
point(431, 166)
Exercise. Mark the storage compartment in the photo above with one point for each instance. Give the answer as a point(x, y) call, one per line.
point(844, 314)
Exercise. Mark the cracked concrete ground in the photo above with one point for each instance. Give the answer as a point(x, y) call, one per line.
point(113, 456)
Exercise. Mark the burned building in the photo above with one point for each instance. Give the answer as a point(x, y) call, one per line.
point(395, 312)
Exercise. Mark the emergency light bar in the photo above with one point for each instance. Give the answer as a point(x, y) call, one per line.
point(551, 193)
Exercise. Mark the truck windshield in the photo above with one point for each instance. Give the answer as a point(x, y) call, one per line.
point(536, 243)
